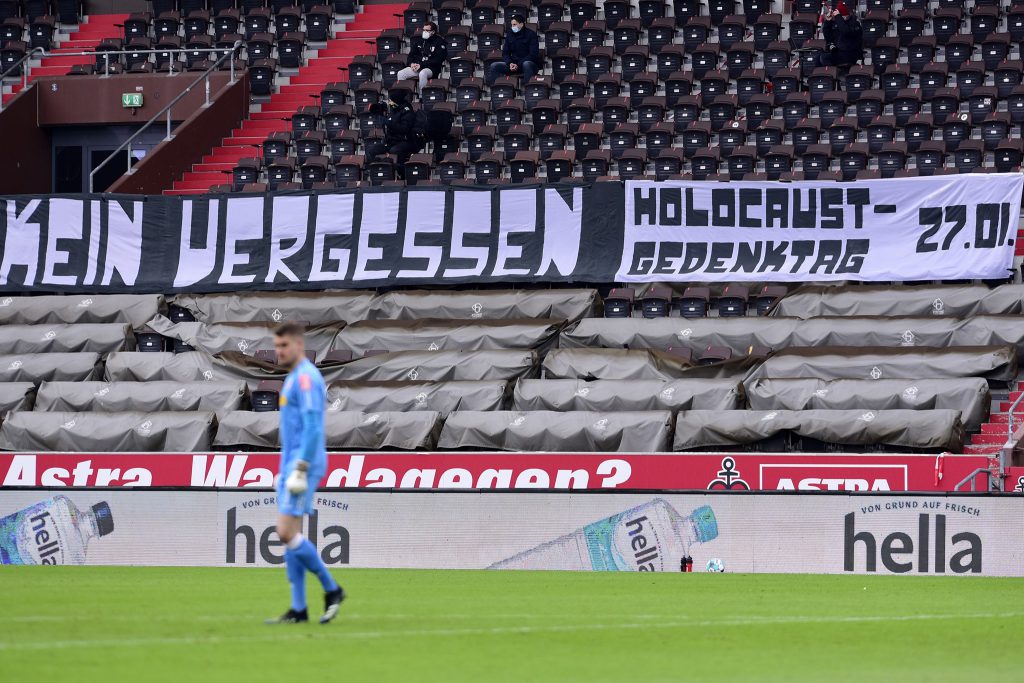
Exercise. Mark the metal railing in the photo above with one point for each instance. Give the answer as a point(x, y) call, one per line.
point(166, 112)
point(973, 476)
point(24, 72)
point(107, 54)
point(1009, 420)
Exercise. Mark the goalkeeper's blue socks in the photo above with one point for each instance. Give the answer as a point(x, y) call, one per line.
point(307, 555)
point(296, 578)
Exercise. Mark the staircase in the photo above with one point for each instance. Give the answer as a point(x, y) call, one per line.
point(85, 37)
point(293, 92)
point(993, 433)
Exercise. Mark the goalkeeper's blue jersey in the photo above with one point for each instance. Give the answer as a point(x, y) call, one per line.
point(303, 402)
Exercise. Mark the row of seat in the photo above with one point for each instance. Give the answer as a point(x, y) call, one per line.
point(214, 7)
point(66, 11)
point(38, 33)
point(316, 23)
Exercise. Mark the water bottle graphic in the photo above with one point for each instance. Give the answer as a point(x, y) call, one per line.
point(648, 538)
point(53, 531)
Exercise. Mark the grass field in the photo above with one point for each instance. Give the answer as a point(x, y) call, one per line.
point(183, 625)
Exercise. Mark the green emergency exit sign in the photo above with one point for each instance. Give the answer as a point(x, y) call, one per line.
point(131, 100)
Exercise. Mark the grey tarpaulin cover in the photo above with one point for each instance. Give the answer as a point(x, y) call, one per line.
point(589, 364)
point(741, 333)
point(134, 309)
point(16, 396)
point(98, 432)
point(64, 338)
point(39, 367)
point(925, 429)
point(441, 397)
point(940, 300)
point(511, 304)
point(543, 430)
point(242, 337)
point(998, 363)
point(438, 366)
point(344, 430)
point(628, 394)
point(276, 307)
point(457, 335)
point(149, 397)
point(969, 395)
point(193, 366)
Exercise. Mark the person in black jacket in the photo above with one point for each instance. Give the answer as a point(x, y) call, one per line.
point(520, 52)
point(427, 56)
point(400, 135)
point(843, 36)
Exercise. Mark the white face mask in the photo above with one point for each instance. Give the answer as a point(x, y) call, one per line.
point(427, 34)
point(516, 29)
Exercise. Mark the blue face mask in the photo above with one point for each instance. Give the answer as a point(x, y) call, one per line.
point(516, 29)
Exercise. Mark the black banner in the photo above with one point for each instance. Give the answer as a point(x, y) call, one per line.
point(310, 240)
point(929, 228)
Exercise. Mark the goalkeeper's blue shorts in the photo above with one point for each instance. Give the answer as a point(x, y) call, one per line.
point(301, 504)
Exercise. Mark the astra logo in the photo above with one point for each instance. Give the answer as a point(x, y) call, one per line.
point(896, 550)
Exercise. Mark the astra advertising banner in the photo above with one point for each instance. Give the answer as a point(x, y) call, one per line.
point(929, 228)
point(504, 471)
point(644, 531)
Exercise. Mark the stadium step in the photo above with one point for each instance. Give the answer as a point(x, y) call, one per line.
point(274, 114)
point(977, 449)
point(989, 439)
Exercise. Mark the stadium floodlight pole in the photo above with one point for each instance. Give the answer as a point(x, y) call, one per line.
point(165, 112)
point(24, 72)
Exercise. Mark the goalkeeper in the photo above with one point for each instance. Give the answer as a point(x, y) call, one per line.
point(303, 461)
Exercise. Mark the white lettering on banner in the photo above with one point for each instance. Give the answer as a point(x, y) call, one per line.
point(928, 228)
point(244, 223)
point(65, 224)
point(333, 217)
point(421, 218)
point(563, 231)
point(215, 471)
point(95, 225)
point(471, 215)
point(124, 243)
point(21, 241)
point(194, 264)
point(517, 215)
point(287, 225)
point(832, 477)
point(23, 471)
point(380, 217)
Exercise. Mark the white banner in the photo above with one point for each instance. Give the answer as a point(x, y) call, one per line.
point(891, 534)
point(926, 228)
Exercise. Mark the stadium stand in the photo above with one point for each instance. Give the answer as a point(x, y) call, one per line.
point(491, 369)
point(654, 89)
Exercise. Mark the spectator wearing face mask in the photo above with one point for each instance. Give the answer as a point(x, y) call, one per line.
point(843, 36)
point(520, 52)
point(427, 56)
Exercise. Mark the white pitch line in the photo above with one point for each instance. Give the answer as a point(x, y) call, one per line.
point(276, 634)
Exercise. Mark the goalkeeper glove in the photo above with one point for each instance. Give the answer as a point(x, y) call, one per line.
point(297, 482)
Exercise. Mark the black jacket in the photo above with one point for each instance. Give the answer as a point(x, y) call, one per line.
point(844, 38)
point(429, 54)
point(521, 47)
point(399, 124)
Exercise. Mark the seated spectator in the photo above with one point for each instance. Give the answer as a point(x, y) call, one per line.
point(427, 56)
point(520, 52)
point(401, 136)
point(843, 35)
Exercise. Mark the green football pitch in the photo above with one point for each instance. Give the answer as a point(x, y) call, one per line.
point(184, 625)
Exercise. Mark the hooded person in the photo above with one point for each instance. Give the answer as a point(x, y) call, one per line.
point(843, 35)
point(401, 136)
